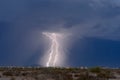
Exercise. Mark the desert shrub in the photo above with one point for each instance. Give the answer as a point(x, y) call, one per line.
point(24, 74)
point(8, 73)
point(12, 78)
point(95, 70)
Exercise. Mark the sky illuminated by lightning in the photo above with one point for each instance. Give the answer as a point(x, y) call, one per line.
point(97, 22)
point(54, 49)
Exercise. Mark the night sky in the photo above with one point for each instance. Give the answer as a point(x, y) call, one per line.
point(94, 25)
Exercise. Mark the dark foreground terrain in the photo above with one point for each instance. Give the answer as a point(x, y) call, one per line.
point(40, 73)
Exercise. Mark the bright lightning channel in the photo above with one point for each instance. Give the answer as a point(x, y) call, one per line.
point(54, 48)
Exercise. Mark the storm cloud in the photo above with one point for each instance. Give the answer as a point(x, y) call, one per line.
point(22, 21)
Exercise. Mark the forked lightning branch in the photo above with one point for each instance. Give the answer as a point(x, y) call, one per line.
point(53, 52)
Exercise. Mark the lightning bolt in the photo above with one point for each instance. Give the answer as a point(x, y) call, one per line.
point(54, 48)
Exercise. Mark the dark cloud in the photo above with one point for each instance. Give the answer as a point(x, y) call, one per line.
point(22, 21)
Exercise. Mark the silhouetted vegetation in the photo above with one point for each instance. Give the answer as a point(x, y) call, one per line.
point(43, 73)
